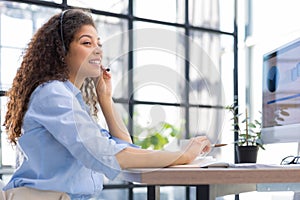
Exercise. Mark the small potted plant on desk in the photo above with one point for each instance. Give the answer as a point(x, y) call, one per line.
point(249, 138)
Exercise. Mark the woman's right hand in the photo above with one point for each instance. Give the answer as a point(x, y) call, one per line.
point(195, 147)
point(103, 85)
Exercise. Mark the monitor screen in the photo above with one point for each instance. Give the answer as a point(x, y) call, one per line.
point(281, 94)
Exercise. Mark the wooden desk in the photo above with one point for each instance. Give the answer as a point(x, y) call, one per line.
point(212, 182)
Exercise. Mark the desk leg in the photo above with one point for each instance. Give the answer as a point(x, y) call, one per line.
point(202, 192)
point(153, 192)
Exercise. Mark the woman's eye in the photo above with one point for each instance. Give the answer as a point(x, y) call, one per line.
point(88, 43)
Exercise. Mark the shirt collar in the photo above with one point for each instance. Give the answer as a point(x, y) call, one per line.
point(77, 93)
point(72, 88)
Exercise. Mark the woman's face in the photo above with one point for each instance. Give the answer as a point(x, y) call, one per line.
point(84, 55)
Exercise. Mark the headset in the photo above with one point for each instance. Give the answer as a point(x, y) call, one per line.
point(61, 30)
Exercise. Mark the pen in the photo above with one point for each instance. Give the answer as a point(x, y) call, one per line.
point(218, 145)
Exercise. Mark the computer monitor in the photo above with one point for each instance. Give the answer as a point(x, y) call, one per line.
point(281, 94)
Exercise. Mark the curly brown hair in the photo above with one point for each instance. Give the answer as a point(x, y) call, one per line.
point(43, 61)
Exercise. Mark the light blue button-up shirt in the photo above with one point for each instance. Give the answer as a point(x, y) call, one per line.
point(63, 148)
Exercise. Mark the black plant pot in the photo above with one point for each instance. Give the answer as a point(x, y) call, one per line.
point(246, 154)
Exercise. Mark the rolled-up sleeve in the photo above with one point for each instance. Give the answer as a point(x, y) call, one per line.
point(63, 114)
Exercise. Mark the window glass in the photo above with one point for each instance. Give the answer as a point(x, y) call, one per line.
point(17, 18)
point(115, 6)
point(165, 192)
point(207, 121)
point(8, 156)
point(211, 68)
point(213, 14)
point(227, 67)
point(167, 10)
point(159, 63)
point(10, 62)
point(116, 193)
point(10, 35)
point(204, 68)
point(22, 18)
point(157, 126)
point(123, 111)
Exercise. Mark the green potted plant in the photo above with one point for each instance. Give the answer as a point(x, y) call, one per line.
point(249, 137)
point(156, 137)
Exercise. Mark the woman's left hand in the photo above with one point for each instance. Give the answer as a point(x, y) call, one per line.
point(196, 146)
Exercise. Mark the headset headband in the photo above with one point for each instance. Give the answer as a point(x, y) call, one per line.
point(61, 30)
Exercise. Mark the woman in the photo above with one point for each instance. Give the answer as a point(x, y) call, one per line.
point(63, 149)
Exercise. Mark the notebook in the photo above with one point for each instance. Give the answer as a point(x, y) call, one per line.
point(204, 162)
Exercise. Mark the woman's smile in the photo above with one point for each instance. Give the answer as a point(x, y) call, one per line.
point(95, 62)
